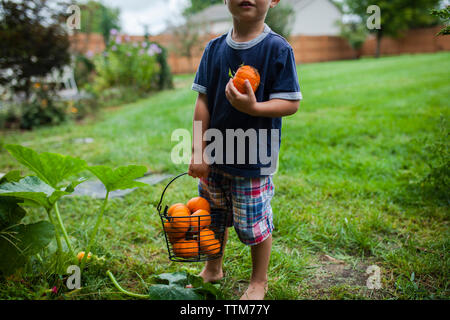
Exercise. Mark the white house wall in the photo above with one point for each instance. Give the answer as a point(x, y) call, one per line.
point(316, 18)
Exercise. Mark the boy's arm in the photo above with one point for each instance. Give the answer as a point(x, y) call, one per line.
point(247, 103)
point(199, 168)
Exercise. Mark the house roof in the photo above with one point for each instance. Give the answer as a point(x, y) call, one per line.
point(217, 12)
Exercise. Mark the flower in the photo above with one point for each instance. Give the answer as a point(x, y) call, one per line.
point(118, 40)
point(144, 44)
point(155, 48)
point(113, 32)
point(90, 54)
point(37, 85)
point(114, 48)
point(55, 290)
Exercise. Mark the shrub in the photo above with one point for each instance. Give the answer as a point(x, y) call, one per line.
point(437, 182)
point(43, 109)
point(126, 64)
point(31, 45)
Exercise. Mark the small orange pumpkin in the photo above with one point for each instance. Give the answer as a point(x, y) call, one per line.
point(180, 222)
point(198, 203)
point(178, 207)
point(185, 248)
point(200, 219)
point(173, 233)
point(246, 73)
point(208, 243)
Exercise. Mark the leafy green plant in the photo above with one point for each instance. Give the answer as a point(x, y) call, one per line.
point(355, 33)
point(19, 241)
point(444, 15)
point(126, 64)
point(52, 170)
point(120, 178)
point(437, 181)
point(174, 286)
point(51, 182)
point(280, 18)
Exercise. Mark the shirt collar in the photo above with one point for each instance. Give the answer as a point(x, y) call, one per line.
point(247, 44)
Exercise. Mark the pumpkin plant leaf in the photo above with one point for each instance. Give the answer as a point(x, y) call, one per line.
point(19, 242)
point(13, 175)
point(177, 278)
point(33, 191)
point(52, 168)
point(172, 292)
point(10, 212)
point(205, 289)
point(119, 178)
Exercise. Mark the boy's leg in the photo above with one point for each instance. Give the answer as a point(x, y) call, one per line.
point(253, 221)
point(260, 264)
point(213, 268)
point(214, 189)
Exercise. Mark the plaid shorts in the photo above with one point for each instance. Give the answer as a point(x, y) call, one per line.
point(245, 201)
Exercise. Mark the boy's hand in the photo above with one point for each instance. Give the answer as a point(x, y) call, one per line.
point(243, 102)
point(198, 170)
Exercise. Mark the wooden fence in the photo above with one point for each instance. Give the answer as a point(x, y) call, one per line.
point(307, 49)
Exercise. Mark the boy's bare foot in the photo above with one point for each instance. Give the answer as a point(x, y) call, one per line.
point(211, 275)
point(255, 291)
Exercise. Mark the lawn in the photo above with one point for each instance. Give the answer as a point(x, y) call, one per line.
point(349, 191)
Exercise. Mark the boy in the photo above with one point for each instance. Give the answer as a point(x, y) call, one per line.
point(220, 106)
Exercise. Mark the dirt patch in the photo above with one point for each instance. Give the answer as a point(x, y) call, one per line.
point(338, 279)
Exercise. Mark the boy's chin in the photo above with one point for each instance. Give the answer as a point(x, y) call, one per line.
point(247, 18)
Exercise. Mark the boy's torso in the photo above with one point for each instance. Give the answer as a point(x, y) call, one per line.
point(224, 55)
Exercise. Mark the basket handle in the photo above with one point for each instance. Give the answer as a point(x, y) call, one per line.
point(162, 195)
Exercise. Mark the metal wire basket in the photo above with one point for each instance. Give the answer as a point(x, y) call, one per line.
point(193, 238)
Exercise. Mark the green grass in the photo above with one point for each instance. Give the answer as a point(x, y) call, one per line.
point(348, 186)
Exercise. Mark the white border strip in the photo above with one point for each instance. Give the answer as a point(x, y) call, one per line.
point(198, 88)
point(286, 96)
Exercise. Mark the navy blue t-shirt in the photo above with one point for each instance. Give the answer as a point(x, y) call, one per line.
point(273, 57)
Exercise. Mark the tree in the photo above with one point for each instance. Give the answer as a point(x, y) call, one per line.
point(444, 15)
point(278, 19)
point(33, 42)
point(96, 17)
point(186, 38)
point(397, 16)
point(198, 5)
point(355, 33)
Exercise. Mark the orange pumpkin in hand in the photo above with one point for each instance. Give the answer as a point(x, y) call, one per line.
point(246, 73)
point(198, 203)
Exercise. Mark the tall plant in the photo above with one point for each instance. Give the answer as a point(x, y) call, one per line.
point(52, 179)
point(279, 19)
